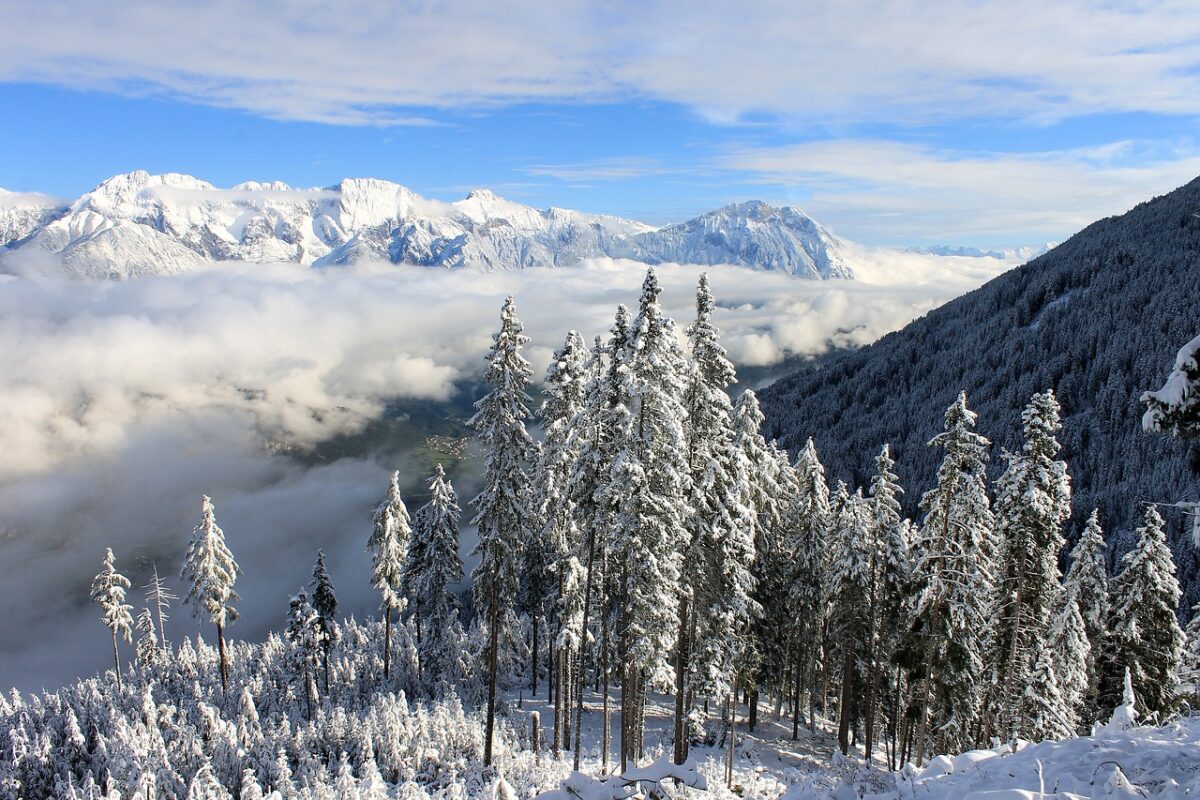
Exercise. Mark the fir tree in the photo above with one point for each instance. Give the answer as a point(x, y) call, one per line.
point(433, 570)
point(1087, 583)
point(503, 505)
point(810, 526)
point(1033, 501)
point(1144, 635)
point(108, 592)
point(388, 546)
point(952, 581)
point(1175, 408)
point(650, 484)
point(1044, 710)
point(850, 613)
point(890, 574)
point(1070, 652)
point(324, 602)
point(147, 652)
point(305, 635)
point(210, 572)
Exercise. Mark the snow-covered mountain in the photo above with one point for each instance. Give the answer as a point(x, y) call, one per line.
point(142, 224)
point(1024, 253)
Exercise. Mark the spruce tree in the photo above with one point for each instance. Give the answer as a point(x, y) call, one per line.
point(324, 602)
point(210, 572)
point(108, 592)
point(388, 545)
point(850, 613)
point(503, 505)
point(710, 458)
point(304, 633)
point(650, 485)
point(433, 570)
point(952, 583)
point(811, 529)
point(1070, 652)
point(890, 575)
point(1032, 503)
point(1043, 707)
point(1087, 583)
point(1175, 408)
point(1144, 635)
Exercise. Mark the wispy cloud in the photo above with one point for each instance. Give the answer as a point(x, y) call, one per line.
point(381, 63)
point(606, 169)
point(911, 192)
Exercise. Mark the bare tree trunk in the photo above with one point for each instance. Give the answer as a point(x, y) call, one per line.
point(583, 623)
point(847, 694)
point(387, 642)
point(533, 659)
point(604, 732)
point(558, 700)
point(492, 663)
point(116, 661)
point(732, 732)
point(221, 650)
point(799, 676)
point(681, 656)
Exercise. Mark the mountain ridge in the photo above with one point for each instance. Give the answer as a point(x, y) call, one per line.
point(137, 223)
point(1098, 319)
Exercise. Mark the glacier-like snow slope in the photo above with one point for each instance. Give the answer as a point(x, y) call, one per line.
point(142, 224)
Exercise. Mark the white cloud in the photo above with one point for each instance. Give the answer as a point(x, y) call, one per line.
point(120, 403)
point(882, 189)
point(844, 62)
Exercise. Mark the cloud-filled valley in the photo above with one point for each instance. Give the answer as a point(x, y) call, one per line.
point(122, 402)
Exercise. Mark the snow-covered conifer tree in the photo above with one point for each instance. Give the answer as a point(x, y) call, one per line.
point(1087, 583)
point(890, 574)
point(1175, 408)
point(1044, 710)
point(503, 505)
point(304, 633)
point(324, 602)
point(108, 592)
point(147, 652)
point(388, 546)
point(1143, 632)
point(1068, 645)
point(952, 581)
point(651, 483)
point(808, 594)
point(210, 571)
point(1032, 503)
point(850, 612)
point(433, 570)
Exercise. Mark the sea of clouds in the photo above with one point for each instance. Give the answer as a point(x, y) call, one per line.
point(121, 403)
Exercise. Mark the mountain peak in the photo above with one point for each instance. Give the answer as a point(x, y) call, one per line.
point(144, 218)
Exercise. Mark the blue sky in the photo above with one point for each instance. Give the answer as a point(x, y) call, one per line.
point(979, 122)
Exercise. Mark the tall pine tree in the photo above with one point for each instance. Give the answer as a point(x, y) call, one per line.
point(503, 505)
point(108, 592)
point(210, 572)
point(391, 529)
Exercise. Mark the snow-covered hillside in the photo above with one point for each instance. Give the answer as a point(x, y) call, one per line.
point(139, 224)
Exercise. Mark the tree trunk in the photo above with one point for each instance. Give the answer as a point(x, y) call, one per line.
point(583, 623)
point(387, 642)
point(221, 649)
point(604, 731)
point(844, 711)
point(732, 732)
point(492, 661)
point(799, 676)
point(753, 720)
point(533, 663)
point(116, 660)
point(681, 656)
point(558, 700)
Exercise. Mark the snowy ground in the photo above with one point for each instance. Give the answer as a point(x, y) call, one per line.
point(1151, 762)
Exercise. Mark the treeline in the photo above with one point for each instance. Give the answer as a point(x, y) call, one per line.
point(652, 541)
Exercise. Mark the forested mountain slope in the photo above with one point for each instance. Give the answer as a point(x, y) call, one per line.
point(1098, 318)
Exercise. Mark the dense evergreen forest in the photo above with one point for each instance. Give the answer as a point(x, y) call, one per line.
point(1098, 319)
